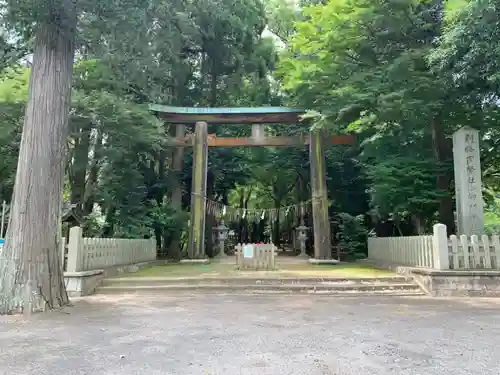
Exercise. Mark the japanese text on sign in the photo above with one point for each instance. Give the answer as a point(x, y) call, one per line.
point(471, 165)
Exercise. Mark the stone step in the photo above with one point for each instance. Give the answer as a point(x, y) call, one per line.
point(338, 288)
point(137, 281)
point(387, 293)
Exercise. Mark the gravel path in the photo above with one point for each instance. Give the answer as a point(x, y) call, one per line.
point(257, 335)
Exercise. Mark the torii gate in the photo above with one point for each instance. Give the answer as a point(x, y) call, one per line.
point(257, 117)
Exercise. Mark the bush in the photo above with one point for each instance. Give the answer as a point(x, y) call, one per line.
point(352, 235)
point(492, 229)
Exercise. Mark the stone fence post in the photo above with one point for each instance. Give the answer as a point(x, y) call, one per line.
point(75, 248)
point(440, 247)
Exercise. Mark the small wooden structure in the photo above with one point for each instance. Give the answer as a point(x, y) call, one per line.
point(256, 256)
point(258, 117)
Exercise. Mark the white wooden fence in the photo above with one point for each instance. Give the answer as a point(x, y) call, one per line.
point(416, 251)
point(437, 251)
point(256, 256)
point(86, 254)
point(474, 252)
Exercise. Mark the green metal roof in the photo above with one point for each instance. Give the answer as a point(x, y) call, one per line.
point(221, 111)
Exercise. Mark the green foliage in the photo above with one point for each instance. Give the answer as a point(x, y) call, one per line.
point(401, 175)
point(13, 90)
point(132, 137)
point(362, 66)
point(467, 56)
point(93, 225)
point(346, 180)
point(172, 220)
point(492, 220)
point(352, 235)
point(345, 59)
point(392, 72)
point(282, 15)
point(131, 54)
point(468, 43)
point(11, 50)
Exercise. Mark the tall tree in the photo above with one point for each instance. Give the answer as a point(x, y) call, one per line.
point(30, 267)
point(467, 55)
point(362, 65)
point(281, 18)
point(30, 264)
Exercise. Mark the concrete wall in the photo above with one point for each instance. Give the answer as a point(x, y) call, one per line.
point(84, 283)
point(449, 283)
point(472, 283)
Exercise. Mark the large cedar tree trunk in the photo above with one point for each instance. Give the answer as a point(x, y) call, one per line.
point(443, 153)
point(30, 269)
point(78, 173)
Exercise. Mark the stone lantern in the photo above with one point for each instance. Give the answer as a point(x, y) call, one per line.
point(302, 237)
point(222, 233)
point(302, 233)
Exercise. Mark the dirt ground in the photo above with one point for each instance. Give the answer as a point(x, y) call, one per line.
point(257, 335)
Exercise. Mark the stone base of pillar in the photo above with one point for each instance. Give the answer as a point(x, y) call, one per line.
point(324, 261)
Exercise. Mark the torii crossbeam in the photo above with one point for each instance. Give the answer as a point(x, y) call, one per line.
point(258, 117)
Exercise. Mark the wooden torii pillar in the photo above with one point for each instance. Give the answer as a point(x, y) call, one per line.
point(196, 249)
point(319, 196)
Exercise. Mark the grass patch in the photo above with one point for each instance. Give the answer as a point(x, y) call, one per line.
point(351, 270)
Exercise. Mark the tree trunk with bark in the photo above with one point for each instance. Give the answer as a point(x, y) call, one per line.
point(80, 165)
point(78, 172)
point(443, 153)
point(31, 276)
point(95, 165)
point(277, 224)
